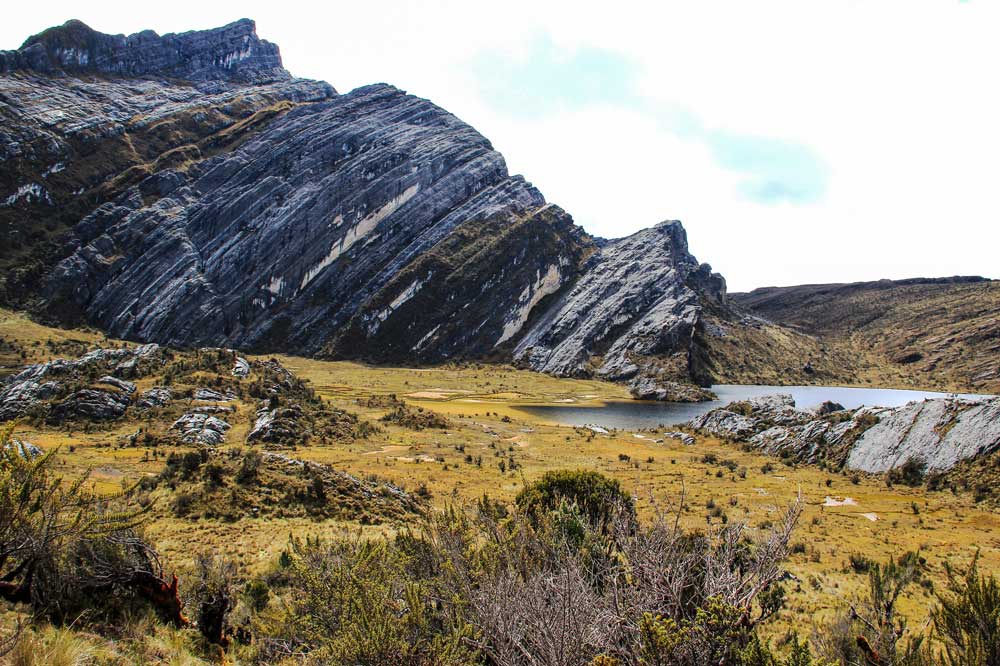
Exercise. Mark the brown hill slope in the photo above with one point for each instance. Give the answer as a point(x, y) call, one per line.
point(934, 333)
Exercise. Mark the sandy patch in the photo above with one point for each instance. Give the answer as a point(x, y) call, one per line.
point(430, 395)
point(391, 448)
point(421, 458)
point(870, 516)
point(847, 501)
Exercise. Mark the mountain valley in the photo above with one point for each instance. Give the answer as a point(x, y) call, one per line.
point(267, 357)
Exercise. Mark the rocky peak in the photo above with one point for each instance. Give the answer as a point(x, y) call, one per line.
point(635, 307)
point(230, 53)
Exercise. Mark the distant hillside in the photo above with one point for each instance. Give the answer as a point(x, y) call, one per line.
point(929, 332)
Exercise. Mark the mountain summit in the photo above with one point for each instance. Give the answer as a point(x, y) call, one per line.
point(230, 53)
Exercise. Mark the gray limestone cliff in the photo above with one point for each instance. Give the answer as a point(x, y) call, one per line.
point(185, 189)
point(637, 306)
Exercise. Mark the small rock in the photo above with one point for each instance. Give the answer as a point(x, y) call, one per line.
point(158, 396)
point(211, 395)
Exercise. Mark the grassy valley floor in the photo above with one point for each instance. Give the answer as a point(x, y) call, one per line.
point(489, 447)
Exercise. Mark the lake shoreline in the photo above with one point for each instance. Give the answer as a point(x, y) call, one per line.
point(635, 414)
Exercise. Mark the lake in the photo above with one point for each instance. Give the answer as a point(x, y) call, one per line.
point(634, 414)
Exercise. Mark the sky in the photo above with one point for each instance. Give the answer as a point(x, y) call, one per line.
point(798, 142)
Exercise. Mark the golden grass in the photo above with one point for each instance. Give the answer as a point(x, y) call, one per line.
point(481, 403)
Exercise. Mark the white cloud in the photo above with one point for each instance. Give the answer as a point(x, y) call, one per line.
point(898, 99)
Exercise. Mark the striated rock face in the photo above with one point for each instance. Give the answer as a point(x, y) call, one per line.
point(940, 432)
point(232, 53)
point(91, 405)
point(158, 396)
point(216, 201)
point(78, 131)
point(301, 238)
point(637, 305)
point(276, 425)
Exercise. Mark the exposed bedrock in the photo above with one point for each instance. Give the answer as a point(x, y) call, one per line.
point(232, 52)
point(632, 315)
point(939, 432)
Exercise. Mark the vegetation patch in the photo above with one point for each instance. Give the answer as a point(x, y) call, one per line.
point(250, 484)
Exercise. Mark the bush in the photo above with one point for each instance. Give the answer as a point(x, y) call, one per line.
point(66, 552)
point(596, 496)
point(214, 596)
point(860, 563)
point(249, 467)
point(910, 473)
point(499, 587)
point(968, 618)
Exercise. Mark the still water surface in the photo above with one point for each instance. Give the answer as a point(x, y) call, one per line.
point(633, 414)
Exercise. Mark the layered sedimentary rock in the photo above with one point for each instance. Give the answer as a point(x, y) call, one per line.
point(940, 432)
point(77, 136)
point(215, 200)
point(637, 304)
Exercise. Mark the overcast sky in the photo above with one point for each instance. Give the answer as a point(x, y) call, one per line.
point(798, 141)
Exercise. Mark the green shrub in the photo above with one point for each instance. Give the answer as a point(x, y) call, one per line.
point(967, 619)
point(910, 473)
point(597, 497)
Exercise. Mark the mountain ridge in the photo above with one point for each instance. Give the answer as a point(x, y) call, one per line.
point(943, 331)
point(232, 52)
point(242, 207)
point(371, 224)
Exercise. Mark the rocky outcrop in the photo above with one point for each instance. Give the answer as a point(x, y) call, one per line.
point(91, 405)
point(25, 450)
point(384, 198)
point(158, 396)
point(204, 429)
point(940, 432)
point(76, 135)
point(241, 368)
point(684, 437)
point(637, 305)
point(230, 53)
point(277, 425)
point(126, 387)
point(211, 395)
point(56, 382)
point(654, 388)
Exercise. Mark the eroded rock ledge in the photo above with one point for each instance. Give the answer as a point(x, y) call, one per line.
point(940, 433)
